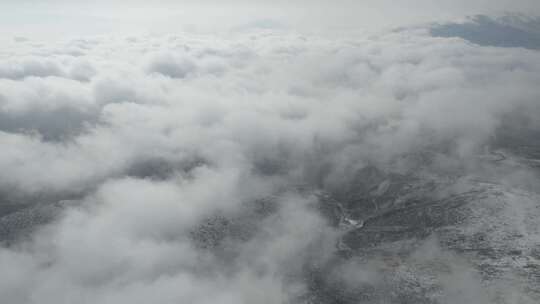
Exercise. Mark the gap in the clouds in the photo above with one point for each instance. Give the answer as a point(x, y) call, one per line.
point(23, 213)
point(160, 169)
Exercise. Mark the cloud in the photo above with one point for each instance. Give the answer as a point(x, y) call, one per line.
point(54, 107)
point(205, 168)
point(29, 68)
point(168, 65)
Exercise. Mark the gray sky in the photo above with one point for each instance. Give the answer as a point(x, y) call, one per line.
point(54, 16)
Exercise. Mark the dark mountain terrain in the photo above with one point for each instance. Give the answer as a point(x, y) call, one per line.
point(402, 236)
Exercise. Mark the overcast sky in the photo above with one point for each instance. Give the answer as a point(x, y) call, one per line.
point(54, 16)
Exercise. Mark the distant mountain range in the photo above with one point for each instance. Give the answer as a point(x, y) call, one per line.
point(505, 31)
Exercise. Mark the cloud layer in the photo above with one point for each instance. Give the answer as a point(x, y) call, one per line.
point(190, 168)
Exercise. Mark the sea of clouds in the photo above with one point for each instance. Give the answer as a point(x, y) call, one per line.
point(138, 141)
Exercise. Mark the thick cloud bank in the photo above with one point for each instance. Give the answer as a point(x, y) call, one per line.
point(269, 167)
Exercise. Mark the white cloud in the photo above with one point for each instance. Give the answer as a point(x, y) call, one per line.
point(173, 132)
point(29, 68)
